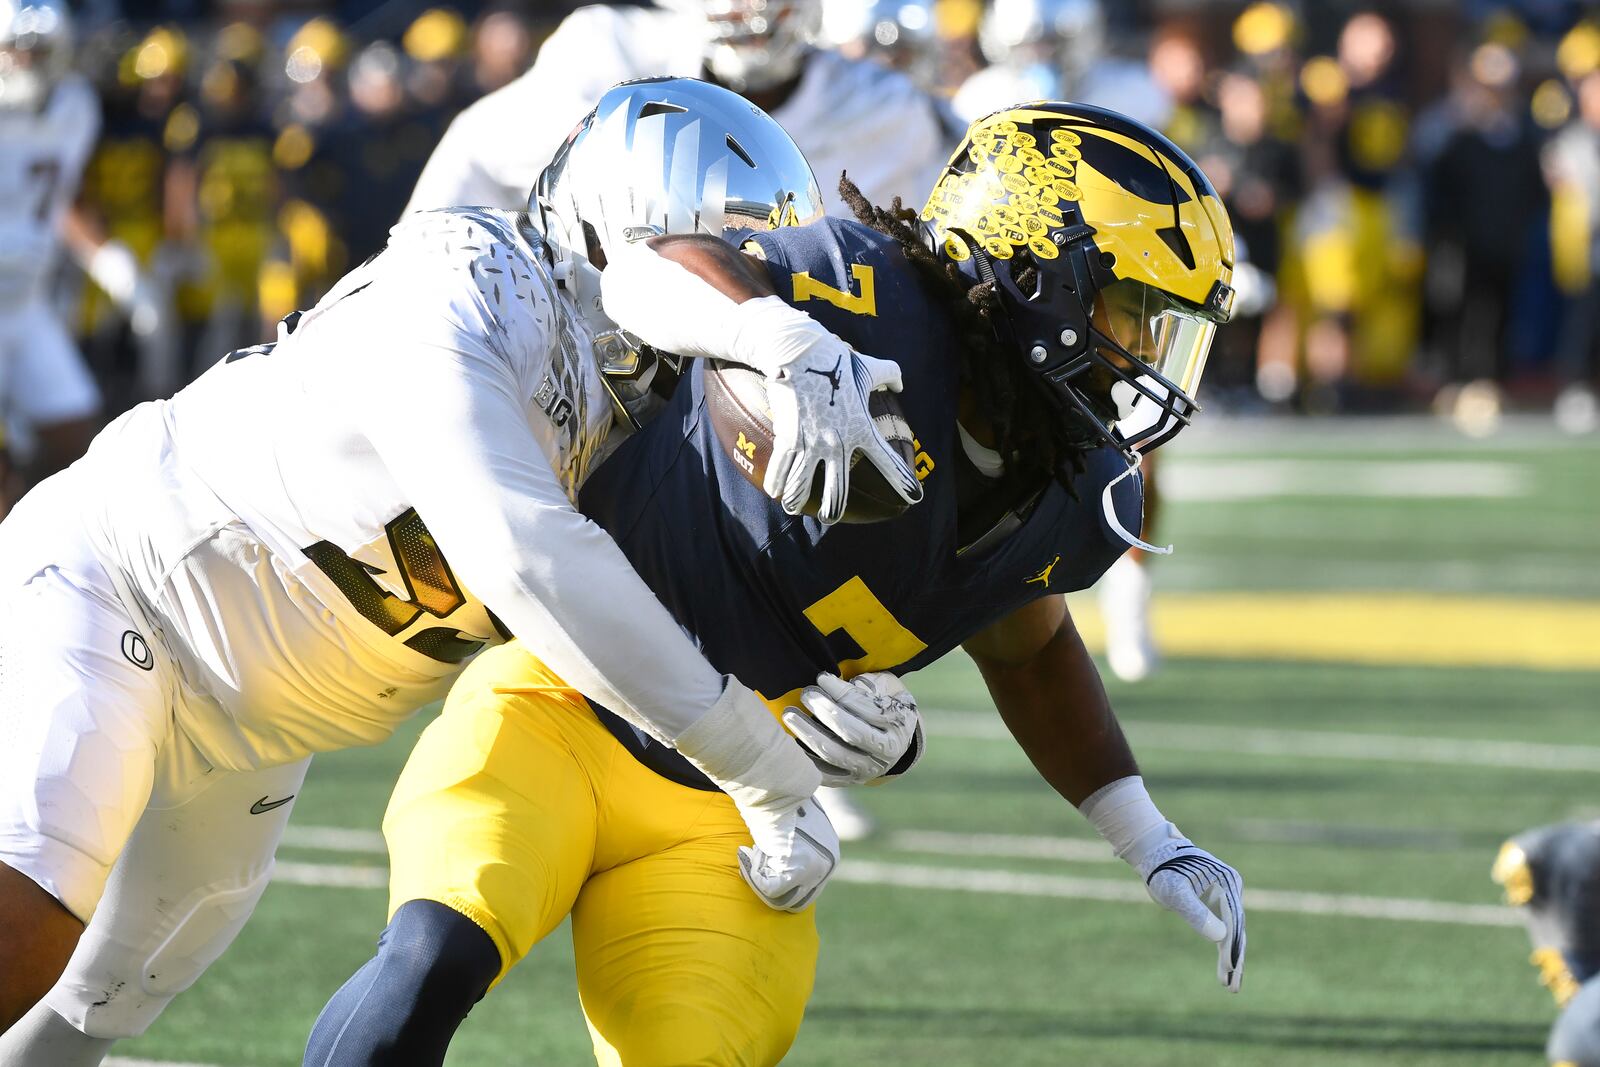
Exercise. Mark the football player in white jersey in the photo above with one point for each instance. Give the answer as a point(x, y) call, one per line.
point(845, 114)
point(255, 570)
point(1055, 50)
point(49, 119)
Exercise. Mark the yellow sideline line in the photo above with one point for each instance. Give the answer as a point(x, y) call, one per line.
point(1371, 627)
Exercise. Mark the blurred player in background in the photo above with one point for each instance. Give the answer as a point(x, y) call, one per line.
point(1553, 874)
point(1056, 50)
point(902, 34)
point(844, 114)
point(49, 118)
point(255, 571)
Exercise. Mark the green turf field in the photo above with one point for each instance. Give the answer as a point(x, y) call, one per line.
point(983, 926)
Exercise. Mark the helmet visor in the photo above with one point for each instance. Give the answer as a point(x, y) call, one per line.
point(1162, 332)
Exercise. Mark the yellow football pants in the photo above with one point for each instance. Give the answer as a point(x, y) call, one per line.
point(518, 808)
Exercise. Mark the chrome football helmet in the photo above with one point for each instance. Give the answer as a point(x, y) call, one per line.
point(1066, 34)
point(35, 51)
point(660, 156)
point(753, 45)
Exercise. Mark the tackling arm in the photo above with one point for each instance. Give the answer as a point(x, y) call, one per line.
point(1049, 694)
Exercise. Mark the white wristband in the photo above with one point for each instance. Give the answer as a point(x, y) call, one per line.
point(739, 745)
point(1126, 817)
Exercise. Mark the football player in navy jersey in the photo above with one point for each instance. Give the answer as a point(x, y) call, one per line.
point(1051, 314)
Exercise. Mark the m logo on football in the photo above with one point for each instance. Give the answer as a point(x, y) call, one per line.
point(744, 453)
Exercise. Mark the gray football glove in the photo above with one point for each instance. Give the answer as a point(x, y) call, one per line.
point(857, 731)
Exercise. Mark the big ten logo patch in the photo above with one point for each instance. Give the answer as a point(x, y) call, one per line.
point(549, 399)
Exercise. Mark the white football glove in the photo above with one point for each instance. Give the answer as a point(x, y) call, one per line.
point(857, 731)
point(1207, 894)
point(793, 854)
point(1183, 878)
point(740, 746)
point(820, 416)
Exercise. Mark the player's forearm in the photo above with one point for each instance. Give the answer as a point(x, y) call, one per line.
point(696, 296)
point(1054, 705)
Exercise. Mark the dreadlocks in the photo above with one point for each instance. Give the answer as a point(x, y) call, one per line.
point(1028, 433)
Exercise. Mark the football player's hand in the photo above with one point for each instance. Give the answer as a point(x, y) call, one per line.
point(1207, 894)
point(820, 416)
point(857, 731)
point(794, 853)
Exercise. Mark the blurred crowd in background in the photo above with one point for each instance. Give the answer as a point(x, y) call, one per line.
point(1417, 184)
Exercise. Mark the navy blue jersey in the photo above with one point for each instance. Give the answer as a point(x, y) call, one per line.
point(775, 599)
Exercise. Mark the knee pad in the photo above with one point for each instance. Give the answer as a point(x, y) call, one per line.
point(120, 979)
point(1575, 1038)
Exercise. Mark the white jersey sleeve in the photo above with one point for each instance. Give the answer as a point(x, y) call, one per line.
point(858, 117)
point(494, 151)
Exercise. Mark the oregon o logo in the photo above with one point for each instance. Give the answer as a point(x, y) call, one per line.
point(137, 652)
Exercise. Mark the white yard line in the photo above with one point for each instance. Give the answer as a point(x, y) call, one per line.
point(1125, 890)
point(1311, 744)
point(335, 839)
point(1219, 479)
point(1018, 883)
point(124, 1061)
point(335, 875)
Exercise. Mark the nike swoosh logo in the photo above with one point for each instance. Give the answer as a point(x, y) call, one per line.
point(261, 807)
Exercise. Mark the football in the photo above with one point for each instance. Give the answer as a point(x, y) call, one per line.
point(736, 398)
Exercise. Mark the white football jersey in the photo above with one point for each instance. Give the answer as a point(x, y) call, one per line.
point(390, 483)
point(846, 115)
point(42, 156)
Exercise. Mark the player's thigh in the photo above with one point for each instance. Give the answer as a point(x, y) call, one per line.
point(679, 964)
point(192, 873)
point(494, 813)
point(49, 382)
point(85, 701)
